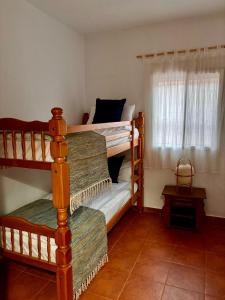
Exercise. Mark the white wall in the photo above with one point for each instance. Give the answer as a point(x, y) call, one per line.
point(112, 71)
point(41, 66)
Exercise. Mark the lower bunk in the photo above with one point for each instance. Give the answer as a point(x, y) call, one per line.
point(28, 234)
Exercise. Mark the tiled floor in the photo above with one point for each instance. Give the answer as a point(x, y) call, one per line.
point(147, 262)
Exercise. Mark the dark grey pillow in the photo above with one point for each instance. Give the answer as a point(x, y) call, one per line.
point(108, 110)
point(114, 165)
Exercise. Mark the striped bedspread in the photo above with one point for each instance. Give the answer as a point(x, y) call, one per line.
point(89, 238)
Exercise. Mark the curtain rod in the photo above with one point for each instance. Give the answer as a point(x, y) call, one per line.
point(178, 52)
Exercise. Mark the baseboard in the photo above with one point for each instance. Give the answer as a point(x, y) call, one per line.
point(150, 210)
point(153, 210)
point(220, 221)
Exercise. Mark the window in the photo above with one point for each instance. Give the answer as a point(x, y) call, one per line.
point(185, 109)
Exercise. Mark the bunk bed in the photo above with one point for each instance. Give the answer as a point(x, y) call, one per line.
point(33, 152)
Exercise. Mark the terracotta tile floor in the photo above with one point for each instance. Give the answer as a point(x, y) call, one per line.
point(147, 262)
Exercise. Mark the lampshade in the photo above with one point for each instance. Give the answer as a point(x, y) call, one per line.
point(184, 173)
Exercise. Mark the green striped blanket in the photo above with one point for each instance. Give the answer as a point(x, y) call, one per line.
point(89, 238)
point(89, 174)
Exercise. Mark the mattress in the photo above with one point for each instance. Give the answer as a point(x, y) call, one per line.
point(109, 202)
point(111, 131)
point(47, 139)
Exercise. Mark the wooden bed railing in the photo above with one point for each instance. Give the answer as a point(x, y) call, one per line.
point(22, 226)
point(9, 131)
point(57, 129)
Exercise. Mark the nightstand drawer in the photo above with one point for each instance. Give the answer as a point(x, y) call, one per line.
point(182, 202)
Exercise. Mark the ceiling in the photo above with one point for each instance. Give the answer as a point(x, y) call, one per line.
point(104, 15)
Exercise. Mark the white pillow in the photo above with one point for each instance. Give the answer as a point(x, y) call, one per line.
point(125, 171)
point(128, 112)
point(91, 115)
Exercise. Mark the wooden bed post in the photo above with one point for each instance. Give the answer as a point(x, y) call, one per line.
point(61, 200)
point(140, 201)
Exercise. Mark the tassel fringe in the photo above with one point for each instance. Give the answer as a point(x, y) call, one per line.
point(92, 191)
point(85, 284)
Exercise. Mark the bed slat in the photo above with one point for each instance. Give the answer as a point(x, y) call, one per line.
point(43, 146)
point(39, 246)
point(12, 239)
point(23, 145)
point(33, 145)
point(4, 237)
point(14, 144)
point(30, 243)
point(5, 144)
point(21, 241)
point(49, 249)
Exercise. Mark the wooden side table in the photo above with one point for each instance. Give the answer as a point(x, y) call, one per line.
point(184, 207)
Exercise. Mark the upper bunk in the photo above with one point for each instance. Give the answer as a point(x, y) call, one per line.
point(28, 144)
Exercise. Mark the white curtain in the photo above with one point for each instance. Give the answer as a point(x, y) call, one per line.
point(185, 106)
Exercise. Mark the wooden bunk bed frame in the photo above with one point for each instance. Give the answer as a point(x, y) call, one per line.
point(58, 129)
